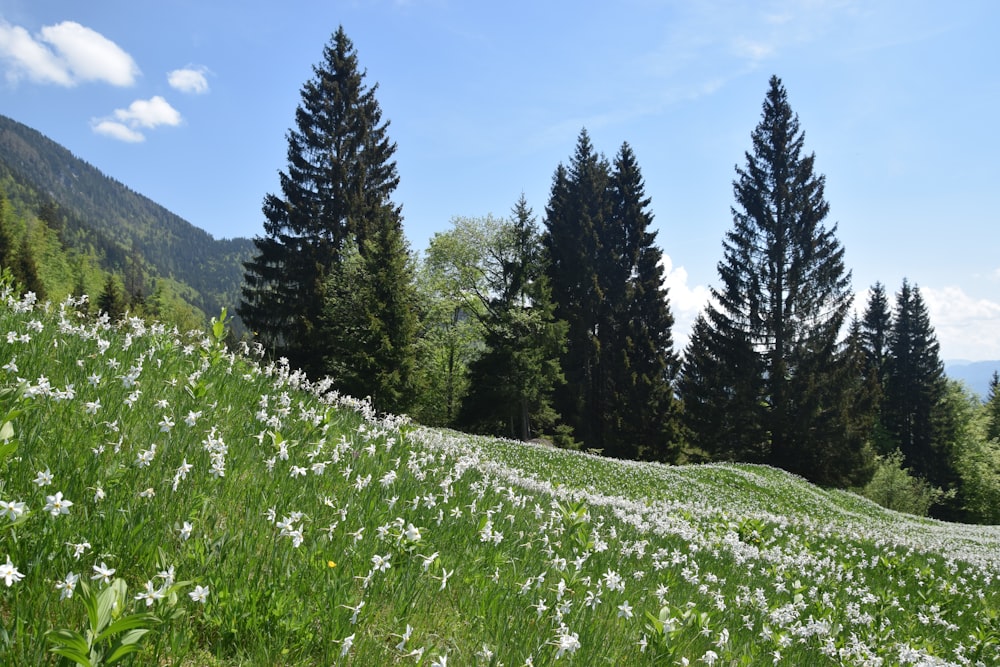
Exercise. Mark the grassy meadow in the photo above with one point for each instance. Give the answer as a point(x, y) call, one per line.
point(167, 501)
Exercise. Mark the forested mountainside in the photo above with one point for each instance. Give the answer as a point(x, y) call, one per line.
point(97, 215)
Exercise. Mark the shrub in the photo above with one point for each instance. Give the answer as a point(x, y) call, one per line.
point(892, 486)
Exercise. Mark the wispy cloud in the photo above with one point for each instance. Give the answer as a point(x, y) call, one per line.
point(190, 79)
point(125, 124)
point(966, 327)
point(64, 54)
point(753, 50)
point(745, 35)
point(119, 131)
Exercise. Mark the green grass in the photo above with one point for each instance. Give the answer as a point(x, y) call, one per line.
point(325, 533)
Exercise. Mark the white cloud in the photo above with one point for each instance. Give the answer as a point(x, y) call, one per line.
point(966, 327)
point(65, 54)
point(91, 56)
point(27, 58)
point(686, 301)
point(125, 124)
point(190, 79)
point(149, 113)
point(120, 131)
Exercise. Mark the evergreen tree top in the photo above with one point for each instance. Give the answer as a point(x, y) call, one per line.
point(340, 158)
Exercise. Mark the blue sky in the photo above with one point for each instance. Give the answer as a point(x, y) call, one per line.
point(189, 102)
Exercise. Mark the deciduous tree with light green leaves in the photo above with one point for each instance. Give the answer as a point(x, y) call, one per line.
point(511, 383)
point(450, 336)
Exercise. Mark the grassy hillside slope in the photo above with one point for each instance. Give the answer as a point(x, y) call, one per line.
point(253, 519)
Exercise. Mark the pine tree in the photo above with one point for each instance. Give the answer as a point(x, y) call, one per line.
point(768, 344)
point(579, 206)
point(26, 271)
point(50, 214)
point(368, 323)
point(642, 358)
point(135, 281)
point(18, 260)
point(874, 331)
point(336, 189)
point(993, 408)
point(862, 409)
point(915, 388)
point(112, 299)
point(721, 385)
point(511, 383)
point(876, 325)
point(6, 243)
point(607, 284)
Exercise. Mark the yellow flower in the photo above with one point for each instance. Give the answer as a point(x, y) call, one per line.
point(330, 563)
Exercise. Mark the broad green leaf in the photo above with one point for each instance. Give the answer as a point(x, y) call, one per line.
point(128, 623)
point(133, 636)
point(90, 603)
point(105, 604)
point(122, 650)
point(75, 656)
point(7, 447)
point(70, 639)
point(120, 653)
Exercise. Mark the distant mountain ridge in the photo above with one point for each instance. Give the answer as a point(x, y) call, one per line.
point(975, 374)
point(120, 222)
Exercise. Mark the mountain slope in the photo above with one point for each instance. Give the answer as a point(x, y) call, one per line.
point(119, 222)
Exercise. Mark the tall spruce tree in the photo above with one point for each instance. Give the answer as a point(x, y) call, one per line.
point(19, 261)
point(874, 330)
point(721, 385)
point(764, 359)
point(915, 389)
point(993, 408)
point(641, 354)
point(862, 411)
point(336, 189)
point(578, 208)
point(607, 285)
point(876, 324)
